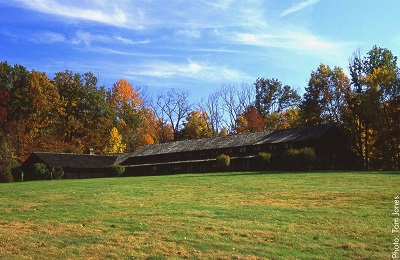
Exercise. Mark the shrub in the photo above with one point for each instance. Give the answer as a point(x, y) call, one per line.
point(264, 159)
point(57, 173)
point(307, 156)
point(291, 159)
point(8, 170)
point(117, 171)
point(6, 176)
point(299, 159)
point(223, 161)
point(41, 172)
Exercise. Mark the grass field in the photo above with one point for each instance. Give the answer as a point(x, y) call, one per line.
point(203, 216)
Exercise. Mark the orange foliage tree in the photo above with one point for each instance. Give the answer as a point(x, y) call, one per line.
point(250, 121)
point(136, 123)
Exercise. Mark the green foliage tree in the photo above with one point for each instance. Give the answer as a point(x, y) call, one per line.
point(325, 97)
point(373, 118)
point(37, 124)
point(272, 97)
point(85, 115)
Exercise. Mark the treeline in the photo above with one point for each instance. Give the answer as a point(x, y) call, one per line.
point(72, 113)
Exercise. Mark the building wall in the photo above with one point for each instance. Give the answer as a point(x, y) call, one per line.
point(327, 148)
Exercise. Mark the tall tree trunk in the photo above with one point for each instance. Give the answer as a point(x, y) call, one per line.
point(366, 156)
point(360, 142)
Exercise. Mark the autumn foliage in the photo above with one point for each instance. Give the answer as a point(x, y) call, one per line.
point(72, 113)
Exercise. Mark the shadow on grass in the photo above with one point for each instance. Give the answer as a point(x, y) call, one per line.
point(248, 173)
point(295, 173)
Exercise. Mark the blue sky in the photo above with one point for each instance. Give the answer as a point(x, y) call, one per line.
point(194, 45)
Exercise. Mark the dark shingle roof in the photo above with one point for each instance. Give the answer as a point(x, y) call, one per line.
point(280, 136)
point(66, 160)
point(195, 145)
point(295, 134)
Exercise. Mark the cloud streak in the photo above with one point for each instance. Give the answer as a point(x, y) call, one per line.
point(164, 42)
point(184, 16)
point(190, 69)
point(284, 39)
point(105, 12)
point(88, 38)
point(298, 7)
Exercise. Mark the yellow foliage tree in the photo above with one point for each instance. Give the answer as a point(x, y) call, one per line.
point(115, 144)
point(289, 118)
point(197, 125)
point(241, 125)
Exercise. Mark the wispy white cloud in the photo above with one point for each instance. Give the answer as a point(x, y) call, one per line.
point(216, 50)
point(129, 41)
point(47, 37)
point(190, 69)
point(285, 40)
point(108, 50)
point(88, 38)
point(298, 7)
point(37, 37)
point(106, 12)
point(221, 4)
point(188, 33)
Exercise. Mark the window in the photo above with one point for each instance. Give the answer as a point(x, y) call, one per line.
point(257, 148)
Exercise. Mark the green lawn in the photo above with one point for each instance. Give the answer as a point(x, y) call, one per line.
point(203, 216)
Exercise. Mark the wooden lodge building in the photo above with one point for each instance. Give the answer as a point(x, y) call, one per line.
point(199, 155)
point(75, 166)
